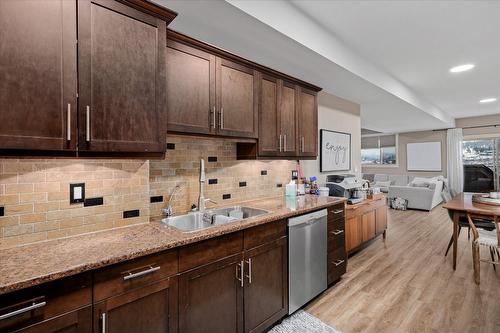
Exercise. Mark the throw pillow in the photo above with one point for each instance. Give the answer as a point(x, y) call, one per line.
point(399, 203)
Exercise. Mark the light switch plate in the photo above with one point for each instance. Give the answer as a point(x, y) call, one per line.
point(76, 193)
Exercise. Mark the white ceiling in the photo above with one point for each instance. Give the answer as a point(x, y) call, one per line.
point(418, 41)
point(370, 52)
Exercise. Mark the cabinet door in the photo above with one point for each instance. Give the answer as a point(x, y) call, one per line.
point(266, 285)
point(352, 233)
point(122, 79)
point(211, 297)
point(190, 89)
point(73, 322)
point(38, 74)
point(269, 135)
point(237, 99)
point(151, 309)
point(381, 219)
point(368, 225)
point(288, 120)
point(308, 123)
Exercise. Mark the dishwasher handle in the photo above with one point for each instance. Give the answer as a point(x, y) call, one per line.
point(307, 219)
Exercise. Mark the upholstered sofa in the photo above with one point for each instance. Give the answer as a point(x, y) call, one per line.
point(421, 193)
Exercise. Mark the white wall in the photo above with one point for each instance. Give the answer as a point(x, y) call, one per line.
point(337, 114)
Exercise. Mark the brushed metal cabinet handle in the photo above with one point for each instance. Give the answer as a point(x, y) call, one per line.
point(103, 322)
point(303, 143)
point(249, 276)
point(23, 310)
point(69, 122)
point(338, 262)
point(141, 273)
point(337, 232)
point(284, 143)
point(336, 212)
point(87, 120)
point(280, 143)
point(221, 118)
point(213, 117)
point(240, 273)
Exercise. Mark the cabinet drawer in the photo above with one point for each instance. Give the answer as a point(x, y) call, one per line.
point(336, 239)
point(336, 212)
point(337, 264)
point(263, 234)
point(202, 253)
point(36, 304)
point(123, 277)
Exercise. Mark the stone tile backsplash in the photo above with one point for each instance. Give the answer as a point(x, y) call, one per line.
point(224, 173)
point(34, 193)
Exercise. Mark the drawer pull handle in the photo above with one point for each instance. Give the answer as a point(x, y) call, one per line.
point(23, 310)
point(338, 262)
point(103, 322)
point(337, 232)
point(142, 273)
point(249, 276)
point(337, 211)
point(240, 272)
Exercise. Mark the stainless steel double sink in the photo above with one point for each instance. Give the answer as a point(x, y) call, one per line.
point(196, 221)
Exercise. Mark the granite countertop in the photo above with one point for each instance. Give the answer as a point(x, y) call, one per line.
point(29, 265)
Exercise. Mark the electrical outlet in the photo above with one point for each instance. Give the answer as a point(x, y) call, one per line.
point(76, 193)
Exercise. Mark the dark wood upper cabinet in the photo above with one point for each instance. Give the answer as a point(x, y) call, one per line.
point(38, 82)
point(211, 297)
point(236, 99)
point(266, 285)
point(190, 89)
point(269, 129)
point(122, 78)
point(288, 119)
point(308, 123)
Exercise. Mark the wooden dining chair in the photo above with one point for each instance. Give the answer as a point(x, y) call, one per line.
point(485, 238)
point(464, 223)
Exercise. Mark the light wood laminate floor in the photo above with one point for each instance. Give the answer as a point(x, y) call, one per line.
point(407, 285)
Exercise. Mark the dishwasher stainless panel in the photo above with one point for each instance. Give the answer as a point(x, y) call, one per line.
point(307, 258)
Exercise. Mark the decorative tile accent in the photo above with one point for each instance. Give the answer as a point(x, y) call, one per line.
point(156, 199)
point(170, 146)
point(279, 185)
point(212, 158)
point(93, 202)
point(130, 213)
point(212, 181)
point(226, 196)
point(263, 172)
point(243, 184)
point(2, 211)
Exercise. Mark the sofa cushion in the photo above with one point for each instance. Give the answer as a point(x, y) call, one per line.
point(399, 180)
point(380, 177)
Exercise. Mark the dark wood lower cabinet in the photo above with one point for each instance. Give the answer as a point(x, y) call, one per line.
point(211, 297)
point(266, 285)
point(79, 321)
point(150, 309)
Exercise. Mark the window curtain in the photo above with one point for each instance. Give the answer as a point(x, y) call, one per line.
point(454, 138)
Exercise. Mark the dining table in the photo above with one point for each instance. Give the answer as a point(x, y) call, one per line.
point(461, 205)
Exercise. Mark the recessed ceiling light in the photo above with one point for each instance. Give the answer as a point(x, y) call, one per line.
point(488, 100)
point(461, 68)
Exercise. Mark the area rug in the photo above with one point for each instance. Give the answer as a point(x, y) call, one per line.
point(302, 322)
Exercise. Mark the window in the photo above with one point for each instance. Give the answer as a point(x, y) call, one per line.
point(479, 164)
point(370, 156)
point(379, 150)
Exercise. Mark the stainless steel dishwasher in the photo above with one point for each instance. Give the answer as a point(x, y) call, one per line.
point(307, 262)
